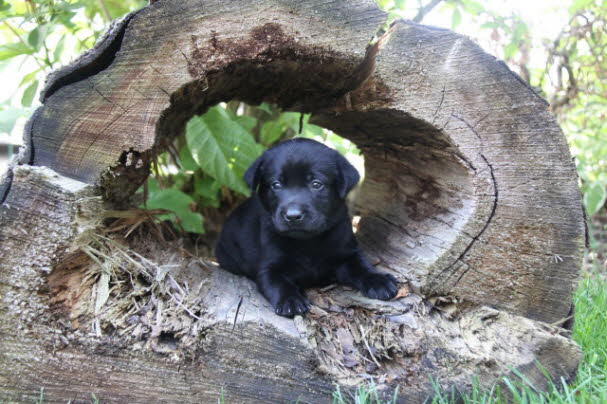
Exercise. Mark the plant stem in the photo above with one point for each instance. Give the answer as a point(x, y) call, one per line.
point(14, 31)
point(106, 12)
point(425, 10)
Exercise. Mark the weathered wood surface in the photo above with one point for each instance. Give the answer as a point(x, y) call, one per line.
point(470, 197)
point(469, 179)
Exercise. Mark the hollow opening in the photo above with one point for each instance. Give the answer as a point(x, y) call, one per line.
point(418, 193)
point(202, 185)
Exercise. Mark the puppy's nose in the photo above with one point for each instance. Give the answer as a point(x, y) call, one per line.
point(293, 214)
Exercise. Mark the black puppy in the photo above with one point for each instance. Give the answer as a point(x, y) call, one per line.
point(294, 232)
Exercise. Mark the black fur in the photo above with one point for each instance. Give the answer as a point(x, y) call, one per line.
point(294, 232)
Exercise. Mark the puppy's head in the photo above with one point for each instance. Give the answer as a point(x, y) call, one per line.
point(303, 185)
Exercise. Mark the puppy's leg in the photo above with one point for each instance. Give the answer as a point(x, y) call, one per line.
point(282, 293)
point(360, 274)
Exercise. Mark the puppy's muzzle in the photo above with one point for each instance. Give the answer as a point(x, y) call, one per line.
point(293, 215)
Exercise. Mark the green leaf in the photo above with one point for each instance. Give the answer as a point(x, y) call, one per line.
point(271, 131)
point(456, 18)
point(28, 77)
point(247, 122)
point(385, 4)
point(207, 187)
point(59, 50)
point(265, 107)
point(473, 7)
point(14, 49)
point(180, 204)
point(4, 5)
point(579, 5)
point(594, 198)
point(510, 50)
point(222, 147)
point(34, 38)
point(29, 93)
point(186, 161)
point(490, 25)
point(520, 29)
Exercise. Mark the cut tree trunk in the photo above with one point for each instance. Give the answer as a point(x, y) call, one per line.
point(470, 199)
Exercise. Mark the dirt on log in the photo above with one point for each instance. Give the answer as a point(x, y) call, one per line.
point(470, 199)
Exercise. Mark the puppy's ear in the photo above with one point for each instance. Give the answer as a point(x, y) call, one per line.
point(348, 176)
point(253, 174)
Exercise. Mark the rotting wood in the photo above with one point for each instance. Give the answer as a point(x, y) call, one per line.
point(469, 195)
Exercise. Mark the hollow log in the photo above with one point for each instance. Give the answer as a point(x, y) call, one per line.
point(470, 199)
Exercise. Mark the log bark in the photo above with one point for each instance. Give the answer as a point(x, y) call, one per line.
point(470, 199)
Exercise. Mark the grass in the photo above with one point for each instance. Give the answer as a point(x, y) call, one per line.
point(590, 385)
point(590, 332)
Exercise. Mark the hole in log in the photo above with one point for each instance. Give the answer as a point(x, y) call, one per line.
point(418, 194)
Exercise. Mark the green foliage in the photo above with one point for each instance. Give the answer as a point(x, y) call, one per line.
point(218, 148)
point(568, 70)
point(180, 204)
point(40, 35)
point(222, 147)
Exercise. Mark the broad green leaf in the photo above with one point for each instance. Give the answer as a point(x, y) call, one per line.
point(594, 198)
point(14, 49)
point(179, 203)
point(221, 147)
point(29, 93)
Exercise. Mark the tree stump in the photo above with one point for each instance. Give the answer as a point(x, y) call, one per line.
point(470, 199)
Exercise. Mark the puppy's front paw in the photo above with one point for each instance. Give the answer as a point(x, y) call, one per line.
point(292, 305)
point(380, 286)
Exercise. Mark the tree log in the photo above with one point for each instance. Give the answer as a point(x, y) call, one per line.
point(470, 199)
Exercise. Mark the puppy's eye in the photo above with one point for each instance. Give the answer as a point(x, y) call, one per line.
point(317, 184)
point(276, 185)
